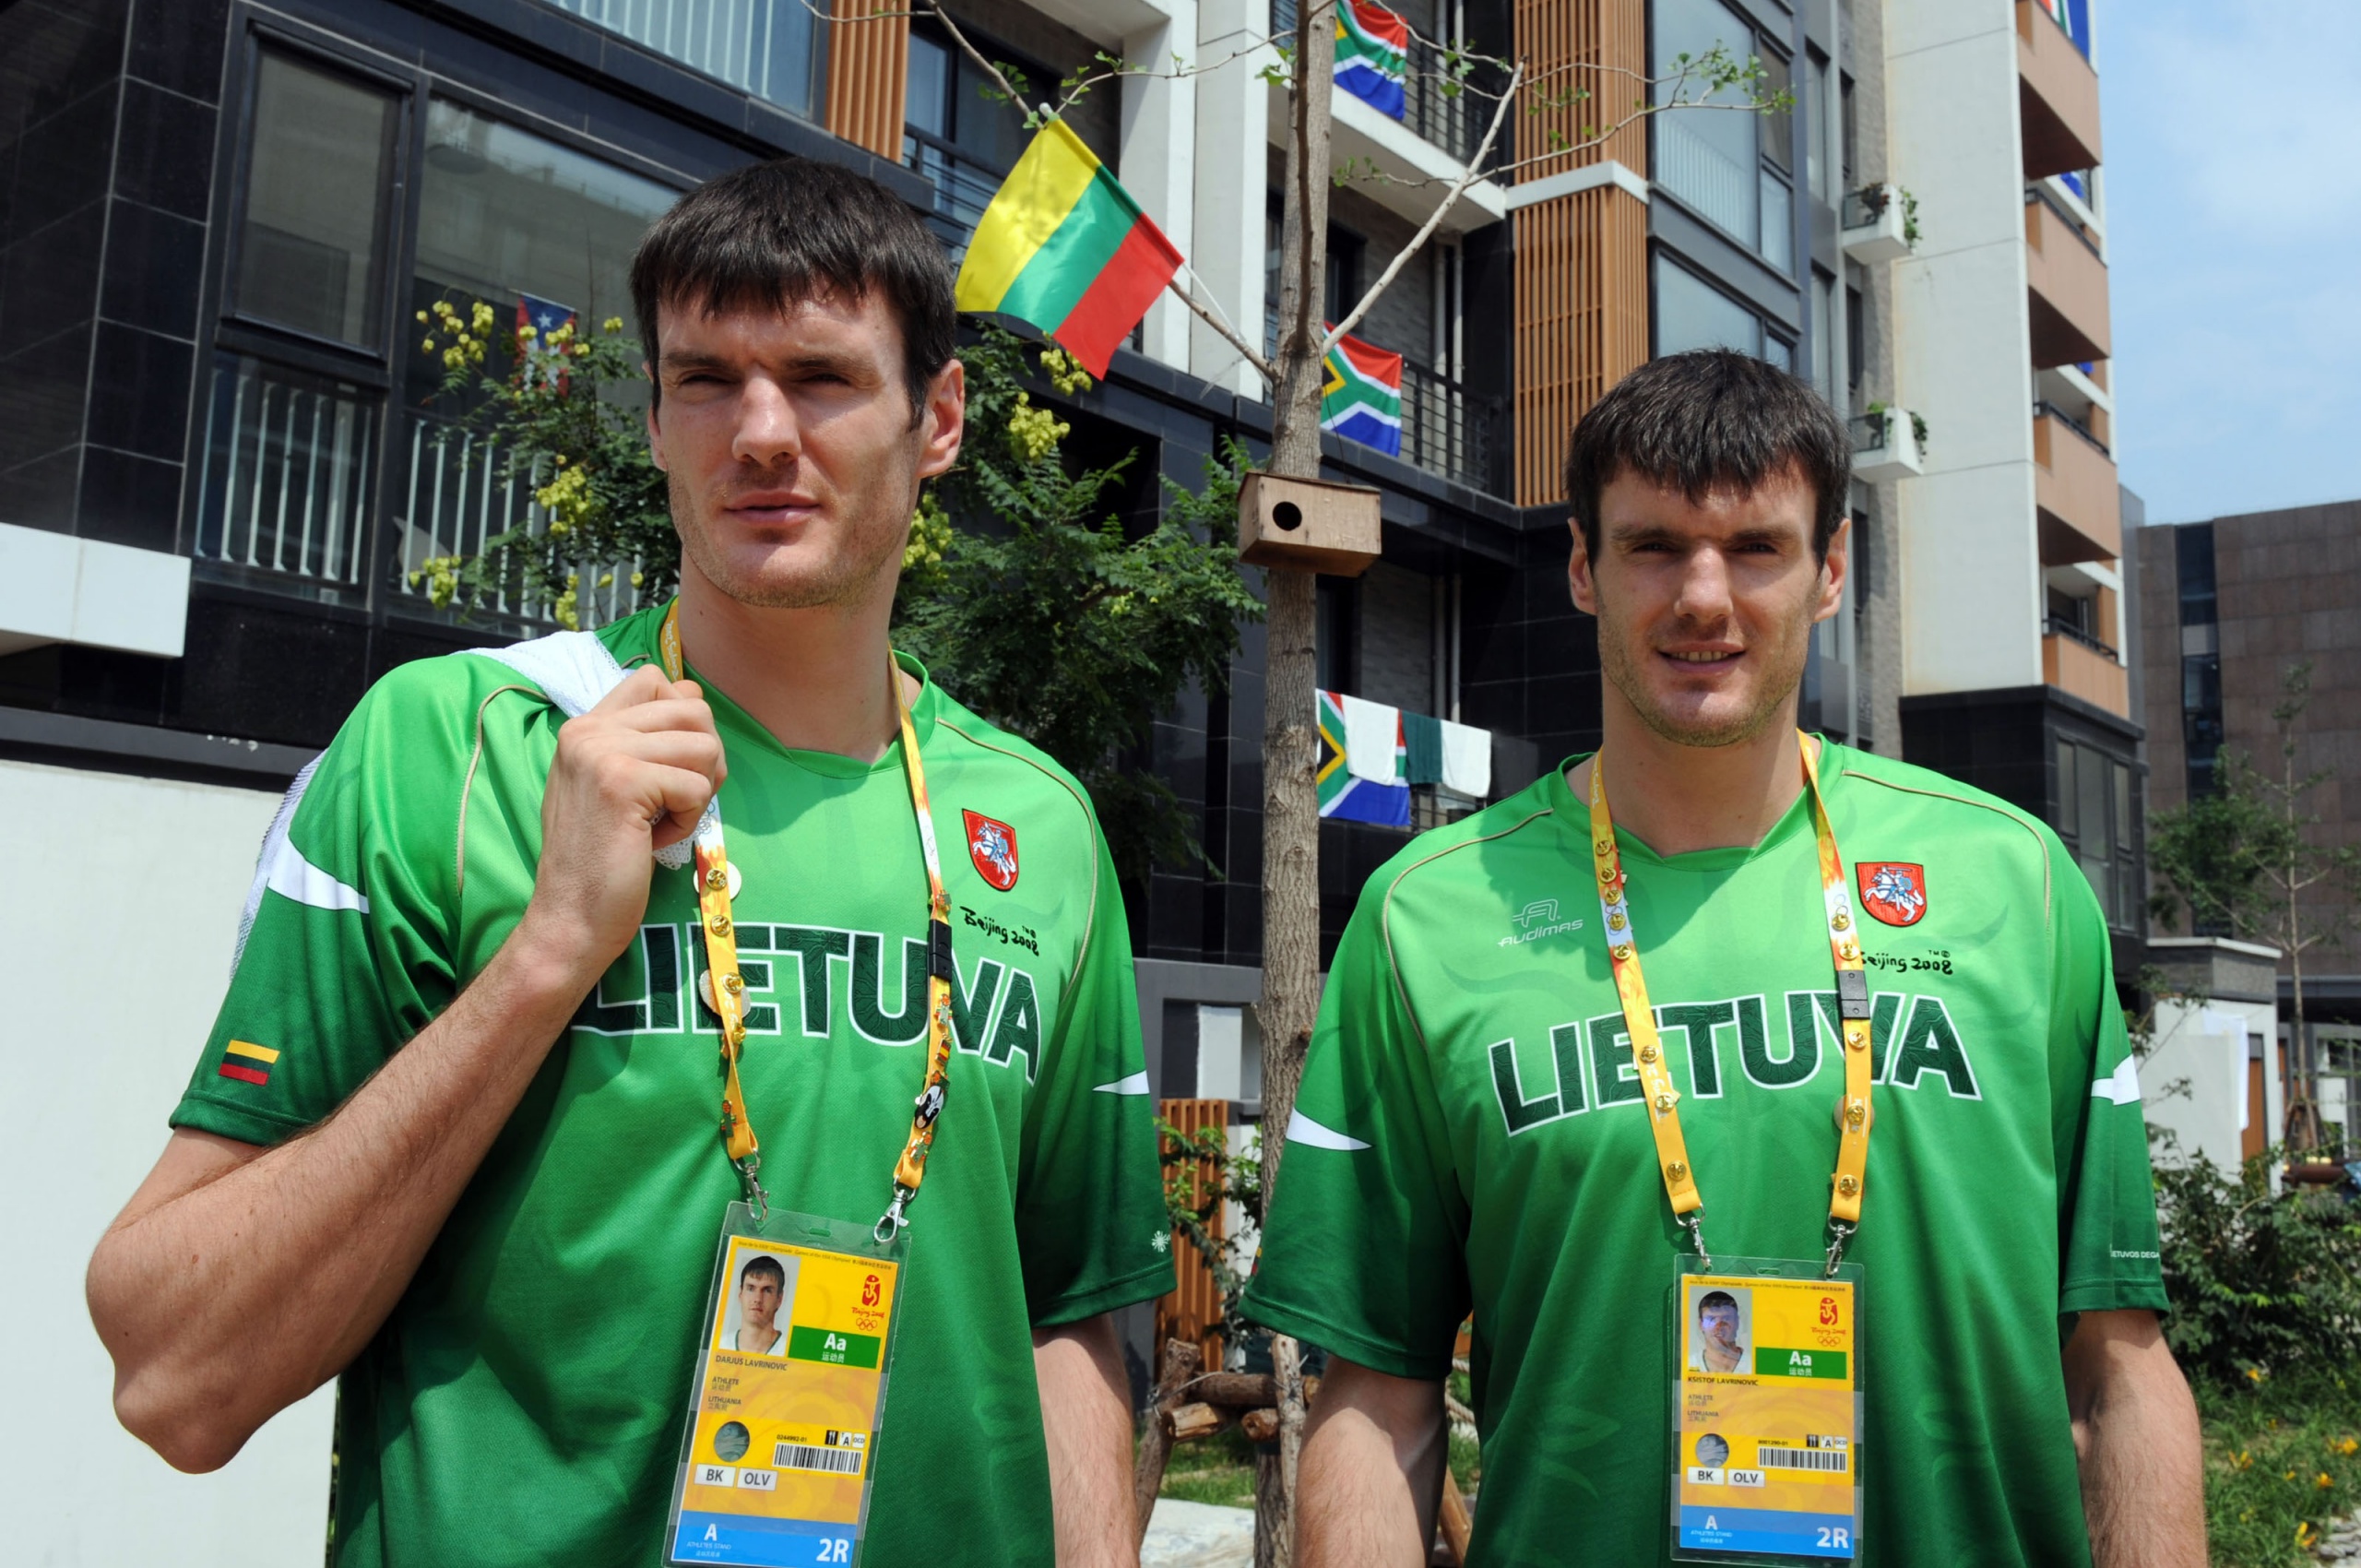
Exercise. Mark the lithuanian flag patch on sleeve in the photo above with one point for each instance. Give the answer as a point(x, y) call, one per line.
point(247, 1061)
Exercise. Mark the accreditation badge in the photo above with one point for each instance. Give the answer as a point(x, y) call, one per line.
point(785, 1416)
point(1767, 1411)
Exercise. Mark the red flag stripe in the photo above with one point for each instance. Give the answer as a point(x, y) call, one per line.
point(244, 1074)
point(1118, 297)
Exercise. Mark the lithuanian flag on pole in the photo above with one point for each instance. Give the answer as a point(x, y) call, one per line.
point(1064, 247)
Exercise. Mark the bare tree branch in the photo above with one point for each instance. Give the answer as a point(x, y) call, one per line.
point(1434, 219)
point(1211, 315)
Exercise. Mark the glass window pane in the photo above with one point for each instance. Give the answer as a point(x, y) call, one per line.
point(2098, 870)
point(1816, 127)
point(1778, 223)
point(2069, 796)
point(1706, 157)
point(771, 48)
point(2122, 808)
point(1778, 128)
point(2093, 789)
point(923, 105)
point(1779, 351)
point(1692, 314)
point(311, 253)
point(1823, 335)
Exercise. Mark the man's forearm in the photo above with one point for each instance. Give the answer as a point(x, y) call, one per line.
point(1373, 1467)
point(2136, 1438)
point(1087, 1421)
point(314, 1238)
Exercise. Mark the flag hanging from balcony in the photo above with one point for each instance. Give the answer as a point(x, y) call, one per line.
point(1345, 793)
point(1372, 54)
point(536, 360)
point(1064, 247)
point(1362, 397)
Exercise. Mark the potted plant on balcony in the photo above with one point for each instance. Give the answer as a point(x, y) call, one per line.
point(1880, 223)
point(1888, 443)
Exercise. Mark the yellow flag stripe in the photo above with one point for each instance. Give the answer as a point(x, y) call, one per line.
point(246, 1047)
point(1054, 174)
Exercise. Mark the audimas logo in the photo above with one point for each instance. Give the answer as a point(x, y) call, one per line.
point(1539, 919)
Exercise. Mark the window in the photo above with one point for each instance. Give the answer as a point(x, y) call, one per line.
point(312, 248)
point(1816, 108)
point(1691, 313)
point(1855, 345)
point(769, 48)
point(2094, 820)
point(965, 142)
point(533, 228)
point(1735, 169)
point(1823, 335)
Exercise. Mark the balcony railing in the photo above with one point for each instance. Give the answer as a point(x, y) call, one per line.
point(2073, 224)
point(769, 48)
point(1699, 173)
point(284, 486)
point(2059, 626)
point(2043, 405)
point(1445, 431)
point(458, 494)
point(1454, 123)
point(963, 187)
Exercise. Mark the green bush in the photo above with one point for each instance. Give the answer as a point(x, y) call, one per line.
point(2262, 1282)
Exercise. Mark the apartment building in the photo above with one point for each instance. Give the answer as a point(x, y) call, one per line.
point(2012, 673)
point(2227, 607)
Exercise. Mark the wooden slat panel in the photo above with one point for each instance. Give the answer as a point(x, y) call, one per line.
point(1192, 1311)
point(1594, 46)
point(869, 61)
point(1581, 322)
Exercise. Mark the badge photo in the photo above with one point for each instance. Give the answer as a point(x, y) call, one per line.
point(993, 846)
point(1894, 891)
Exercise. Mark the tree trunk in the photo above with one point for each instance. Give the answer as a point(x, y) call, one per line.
point(1180, 1361)
point(1290, 745)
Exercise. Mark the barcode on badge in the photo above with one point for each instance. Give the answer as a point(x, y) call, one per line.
point(837, 1461)
point(1832, 1461)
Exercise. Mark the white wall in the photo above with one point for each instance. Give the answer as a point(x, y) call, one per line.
point(2194, 1080)
point(121, 903)
point(1971, 557)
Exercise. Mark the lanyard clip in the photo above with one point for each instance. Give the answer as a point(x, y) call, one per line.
point(1695, 1220)
point(1839, 1233)
point(760, 1199)
point(890, 1223)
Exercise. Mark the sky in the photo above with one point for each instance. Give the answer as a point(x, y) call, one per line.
point(2234, 234)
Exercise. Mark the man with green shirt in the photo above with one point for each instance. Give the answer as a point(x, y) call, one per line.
point(454, 1137)
point(1475, 1129)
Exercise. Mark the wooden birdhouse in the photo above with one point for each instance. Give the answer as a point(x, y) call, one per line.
point(1307, 524)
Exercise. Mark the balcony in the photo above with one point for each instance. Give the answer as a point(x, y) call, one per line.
point(1447, 432)
point(285, 484)
point(1886, 445)
point(2074, 491)
point(2081, 666)
point(2066, 277)
point(963, 187)
point(2058, 97)
point(772, 49)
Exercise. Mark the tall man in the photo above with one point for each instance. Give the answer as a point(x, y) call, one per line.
point(463, 1091)
point(1477, 1125)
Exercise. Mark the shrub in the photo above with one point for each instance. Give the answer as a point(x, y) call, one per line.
point(2260, 1281)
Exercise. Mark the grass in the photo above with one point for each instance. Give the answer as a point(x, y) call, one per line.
point(1217, 1470)
point(2283, 1459)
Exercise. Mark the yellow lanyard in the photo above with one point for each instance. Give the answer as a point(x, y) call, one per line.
point(726, 997)
point(1663, 1100)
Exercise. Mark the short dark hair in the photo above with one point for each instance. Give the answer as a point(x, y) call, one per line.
point(771, 236)
point(765, 1264)
point(1710, 420)
point(1715, 1298)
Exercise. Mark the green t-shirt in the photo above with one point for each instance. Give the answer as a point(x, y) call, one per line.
point(1469, 1134)
point(524, 1403)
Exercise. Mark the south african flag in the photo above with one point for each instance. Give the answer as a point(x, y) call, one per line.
point(1362, 397)
point(1348, 799)
point(1372, 54)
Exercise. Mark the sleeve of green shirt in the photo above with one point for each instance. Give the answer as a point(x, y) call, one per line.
point(1090, 1220)
point(1364, 1252)
point(347, 957)
point(2107, 1194)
